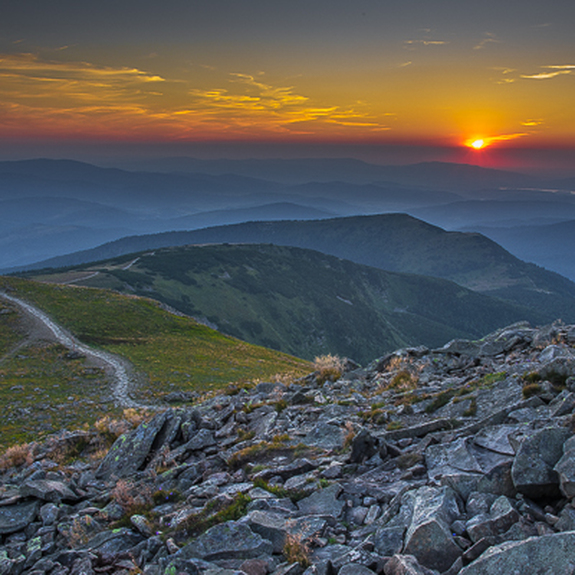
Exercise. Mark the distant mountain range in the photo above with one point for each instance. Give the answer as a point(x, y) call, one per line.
point(301, 301)
point(392, 242)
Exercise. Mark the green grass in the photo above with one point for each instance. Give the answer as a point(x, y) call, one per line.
point(42, 390)
point(297, 300)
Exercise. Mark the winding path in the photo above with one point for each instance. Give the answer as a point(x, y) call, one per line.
point(117, 366)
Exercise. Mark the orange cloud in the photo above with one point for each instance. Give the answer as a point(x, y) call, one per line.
point(81, 98)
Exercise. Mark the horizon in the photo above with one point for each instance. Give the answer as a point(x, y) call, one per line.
point(483, 84)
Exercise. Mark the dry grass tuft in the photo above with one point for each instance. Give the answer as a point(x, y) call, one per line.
point(296, 551)
point(15, 456)
point(329, 367)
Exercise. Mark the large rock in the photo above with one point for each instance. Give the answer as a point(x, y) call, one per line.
point(405, 565)
point(325, 436)
point(231, 540)
point(48, 490)
point(323, 502)
point(131, 451)
point(546, 555)
point(428, 536)
point(565, 469)
point(16, 517)
point(532, 470)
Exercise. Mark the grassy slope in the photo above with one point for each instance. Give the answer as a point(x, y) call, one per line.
point(394, 242)
point(304, 302)
point(42, 390)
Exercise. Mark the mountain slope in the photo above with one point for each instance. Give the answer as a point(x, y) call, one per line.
point(45, 387)
point(394, 242)
point(303, 302)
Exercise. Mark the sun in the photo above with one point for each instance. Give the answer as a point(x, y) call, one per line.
point(478, 144)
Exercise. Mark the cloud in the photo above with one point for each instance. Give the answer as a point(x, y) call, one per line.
point(545, 75)
point(489, 38)
point(250, 103)
point(426, 42)
point(83, 98)
point(532, 123)
point(559, 70)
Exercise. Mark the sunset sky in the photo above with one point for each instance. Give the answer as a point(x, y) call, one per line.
point(390, 81)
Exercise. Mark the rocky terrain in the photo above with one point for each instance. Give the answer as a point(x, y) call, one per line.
point(446, 461)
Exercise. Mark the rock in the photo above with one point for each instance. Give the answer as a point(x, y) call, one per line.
point(271, 526)
point(131, 451)
point(532, 470)
point(13, 518)
point(565, 469)
point(363, 447)
point(354, 569)
point(53, 491)
point(428, 536)
point(546, 555)
point(231, 540)
point(389, 540)
point(323, 502)
point(405, 565)
point(326, 436)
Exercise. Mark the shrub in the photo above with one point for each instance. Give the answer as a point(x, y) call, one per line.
point(296, 551)
point(440, 400)
point(403, 380)
point(15, 456)
point(531, 389)
point(329, 367)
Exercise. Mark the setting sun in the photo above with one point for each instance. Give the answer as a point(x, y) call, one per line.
point(478, 144)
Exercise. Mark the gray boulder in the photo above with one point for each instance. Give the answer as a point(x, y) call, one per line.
point(130, 451)
point(48, 490)
point(546, 555)
point(532, 470)
point(16, 517)
point(231, 540)
point(323, 502)
point(565, 469)
point(428, 536)
point(405, 565)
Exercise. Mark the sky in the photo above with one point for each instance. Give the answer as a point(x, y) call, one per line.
point(383, 80)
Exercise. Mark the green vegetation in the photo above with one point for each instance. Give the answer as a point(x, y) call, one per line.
point(215, 512)
point(44, 389)
point(302, 302)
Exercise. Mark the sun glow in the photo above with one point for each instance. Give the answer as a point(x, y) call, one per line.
point(478, 144)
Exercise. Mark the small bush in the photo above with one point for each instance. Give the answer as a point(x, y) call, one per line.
point(531, 389)
point(215, 512)
point(440, 400)
point(394, 425)
point(403, 380)
point(296, 551)
point(472, 409)
point(15, 456)
point(329, 368)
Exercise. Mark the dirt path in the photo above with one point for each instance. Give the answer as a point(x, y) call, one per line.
point(119, 369)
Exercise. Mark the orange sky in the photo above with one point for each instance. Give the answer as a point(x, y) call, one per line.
point(369, 74)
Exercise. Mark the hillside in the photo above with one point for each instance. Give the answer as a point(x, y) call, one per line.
point(300, 301)
point(46, 386)
point(393, 242)
point(452, 461)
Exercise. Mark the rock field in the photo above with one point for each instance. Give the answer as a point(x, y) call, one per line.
point(454, 460)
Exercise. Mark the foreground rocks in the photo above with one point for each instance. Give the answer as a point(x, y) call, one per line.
point(456, 460)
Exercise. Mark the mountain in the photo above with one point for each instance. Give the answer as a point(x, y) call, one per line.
point(50, 381)
point(434, 175)
point(393, 242)
point(498, 213)
point(300, 301)
point(551, 245)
